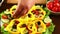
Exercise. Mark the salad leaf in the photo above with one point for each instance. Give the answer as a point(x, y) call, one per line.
point(47, 12)
point(1, 14)
point(47, 32)
point(50, 29)
point(2, 29)
point(5, 32)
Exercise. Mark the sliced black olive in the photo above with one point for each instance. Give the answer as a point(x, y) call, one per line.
point(32, 12)
point(38, 23)
point(29, 15)
point(31, 26)
point(38, 9)
point(14, 26)
point(16, 21)
point(24, 25)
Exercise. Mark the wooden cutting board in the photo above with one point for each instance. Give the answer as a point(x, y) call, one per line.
point(16, 1)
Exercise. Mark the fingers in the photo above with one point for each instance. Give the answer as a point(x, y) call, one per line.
point(20, 12)
point(23, 7)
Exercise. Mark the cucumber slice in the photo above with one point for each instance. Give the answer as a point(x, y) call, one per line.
point(7, 11)
point(5, 20)
point(47, 20)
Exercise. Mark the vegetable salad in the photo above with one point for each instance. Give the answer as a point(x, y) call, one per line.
point(36, 21)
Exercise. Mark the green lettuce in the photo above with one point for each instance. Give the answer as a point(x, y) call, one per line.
point(50, 29)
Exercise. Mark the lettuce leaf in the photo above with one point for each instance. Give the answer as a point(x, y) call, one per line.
point(47, 12)
point(3, 31)
point(50, 29)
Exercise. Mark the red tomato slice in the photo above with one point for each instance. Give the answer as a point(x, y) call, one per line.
point(35, 12)
point(4, 17)
point(48, 24)
point(5, 24)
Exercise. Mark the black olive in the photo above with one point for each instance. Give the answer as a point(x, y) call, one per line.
point(38, 23)
point(29, 15)
point(24, 25)
point(16, 21)
point(14, 26)
point(32, 12)
point(38, 9)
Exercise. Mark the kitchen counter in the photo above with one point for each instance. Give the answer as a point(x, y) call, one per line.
point(55, 18)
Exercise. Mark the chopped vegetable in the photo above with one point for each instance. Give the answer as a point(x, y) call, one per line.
point(47, 20)
point(4, 17)
point(5, 25)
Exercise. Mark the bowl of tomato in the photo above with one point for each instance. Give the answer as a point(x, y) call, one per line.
point(54, 6)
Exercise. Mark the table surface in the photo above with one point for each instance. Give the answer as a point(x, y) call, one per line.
point(55, 18)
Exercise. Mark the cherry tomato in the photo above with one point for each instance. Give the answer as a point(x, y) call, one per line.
point(5, 24)
point(50, 5)
point(48, 24)
point(55, 9)
point(55, 1)
point(4, 17)
point(57, 4)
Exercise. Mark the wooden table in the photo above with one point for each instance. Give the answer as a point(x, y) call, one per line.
point(55, 19)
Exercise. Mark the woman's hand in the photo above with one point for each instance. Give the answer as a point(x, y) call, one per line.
point(23, 7)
